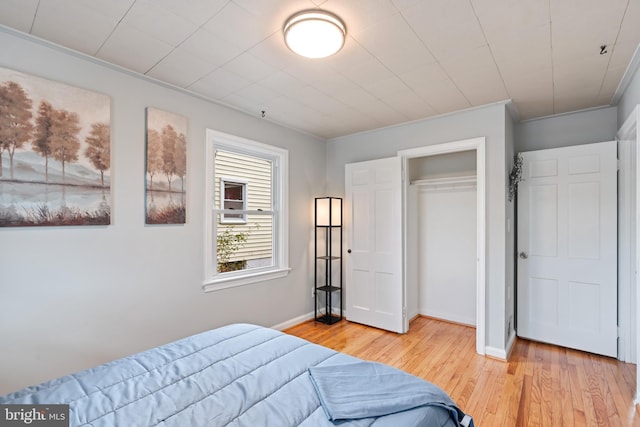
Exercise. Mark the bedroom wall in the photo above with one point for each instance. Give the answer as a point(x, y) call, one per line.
point(631, 96)
point(510, 234)
point(487, 121)
point(447, 251)
point(563, 130)
point(74, 297)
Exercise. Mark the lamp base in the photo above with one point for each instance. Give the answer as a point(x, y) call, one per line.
point(328, 319)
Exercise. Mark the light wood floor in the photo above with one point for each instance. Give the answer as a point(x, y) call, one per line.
point(541, 385)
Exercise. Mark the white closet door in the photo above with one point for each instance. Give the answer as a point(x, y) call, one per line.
point(567, 243)
point(373, 229)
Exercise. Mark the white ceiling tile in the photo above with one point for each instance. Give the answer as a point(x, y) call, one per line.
point(485, 84)
point(587, 10)
point(358, 15)
point(405, 4)
point(159, 23)
point(446, 27)
point(238, 26)
point(274, 13)
point(387, 87)
point(210, 47)
point(72, 24)
point(432, 84)
point(196, 11)
point(624, 49)
point(331, 81)
point(394, 44)
point(307, 71)
point(112, 8)
point(240, 102)
point(368, 73)
point(181, 68)
point(133, 49)
point(318, 100)
point(282, 82)
point(355, 97)
point(532, 93)
point(507, 18)
point(351, 55)
point(410, 105)
point(18, 14)
point(629, 29)
point(259, 94)
point(571, 75)
point(219, 84)
point(522, 53)
point(249, 67)
point(383, 113)
point(274, 52)
point(580, 28)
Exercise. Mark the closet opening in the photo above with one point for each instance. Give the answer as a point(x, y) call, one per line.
point(444, 233)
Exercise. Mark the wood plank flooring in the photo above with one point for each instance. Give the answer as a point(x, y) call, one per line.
point(541, 385)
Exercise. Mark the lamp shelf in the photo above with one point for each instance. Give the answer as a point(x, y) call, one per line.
point(328, 288)
point(329, 258)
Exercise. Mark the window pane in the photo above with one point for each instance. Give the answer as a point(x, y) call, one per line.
point(245, 246)
point(256, 172)
point(233, 191)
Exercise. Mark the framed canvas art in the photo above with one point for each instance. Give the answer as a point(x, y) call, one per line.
point(166, 167)
point(55, 153)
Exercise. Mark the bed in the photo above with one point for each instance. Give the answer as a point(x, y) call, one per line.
point(239, 375)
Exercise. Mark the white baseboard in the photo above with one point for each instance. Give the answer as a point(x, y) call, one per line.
point(293, 322)
point(471, 321)
point(497, 353)
point(500, 353)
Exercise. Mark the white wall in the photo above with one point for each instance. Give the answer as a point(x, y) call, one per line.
point(510, 235)
point(487, 121)
point(447, 252)
point(74, 297)
point(631, 95)
point(580, 127)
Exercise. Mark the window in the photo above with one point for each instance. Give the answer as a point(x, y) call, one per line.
point(246, 219)
point(233, 193)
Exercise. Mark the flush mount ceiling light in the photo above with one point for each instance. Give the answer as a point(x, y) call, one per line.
point(314, 33)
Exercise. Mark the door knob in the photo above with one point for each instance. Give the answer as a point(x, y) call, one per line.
point(523, 255)
point(348, 251)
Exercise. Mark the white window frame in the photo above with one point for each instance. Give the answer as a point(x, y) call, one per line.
point(223, 218)
point(213, 280)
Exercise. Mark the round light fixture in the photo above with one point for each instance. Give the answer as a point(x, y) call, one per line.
point(314, 33)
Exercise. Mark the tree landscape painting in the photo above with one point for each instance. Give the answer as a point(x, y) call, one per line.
point(54, 153)
point(166, 167)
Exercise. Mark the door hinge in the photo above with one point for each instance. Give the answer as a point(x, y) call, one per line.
point(404, 312)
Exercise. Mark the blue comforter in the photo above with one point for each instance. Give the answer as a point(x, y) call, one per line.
point(239, 375)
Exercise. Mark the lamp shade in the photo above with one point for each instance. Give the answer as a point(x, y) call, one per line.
point(328, 211)
point(314, 33)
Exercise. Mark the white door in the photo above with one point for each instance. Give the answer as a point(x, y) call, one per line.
point(373, 232)
point(567, 247)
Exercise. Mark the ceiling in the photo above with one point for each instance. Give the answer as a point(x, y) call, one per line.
point(403, 60)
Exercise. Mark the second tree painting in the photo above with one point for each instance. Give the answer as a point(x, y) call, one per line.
point(166, 167)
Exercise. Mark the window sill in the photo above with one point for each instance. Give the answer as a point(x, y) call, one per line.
point(245, 279)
